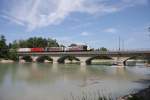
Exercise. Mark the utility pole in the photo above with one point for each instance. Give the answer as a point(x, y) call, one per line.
point(122, 44)
point(149, 30)
point(119, 43)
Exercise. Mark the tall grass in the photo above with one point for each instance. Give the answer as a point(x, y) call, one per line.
point(99, 96)
point(89, 96)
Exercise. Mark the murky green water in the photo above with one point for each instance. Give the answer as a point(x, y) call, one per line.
point(34, 81)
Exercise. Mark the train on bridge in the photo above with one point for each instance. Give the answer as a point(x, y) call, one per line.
point(77, 48)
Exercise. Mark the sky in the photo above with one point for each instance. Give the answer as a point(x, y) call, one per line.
point(96, 23)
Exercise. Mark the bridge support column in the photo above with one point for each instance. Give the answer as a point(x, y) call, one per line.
point(147, 63)
point(55, 60)
point(21, 60)
point(120, 61)
point(83, 60)
point(34, 58)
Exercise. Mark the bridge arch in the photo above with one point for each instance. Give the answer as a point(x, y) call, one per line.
point(89, 61)
point(68, 58)
point(138, 57)
point(26, 58)
point(44, 58)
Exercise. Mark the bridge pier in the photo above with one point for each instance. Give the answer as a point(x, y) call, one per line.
point(120, 61)
point(55, 60)
point(83, 60)
point(34, 58)
point(118, 58)
point(21, 60)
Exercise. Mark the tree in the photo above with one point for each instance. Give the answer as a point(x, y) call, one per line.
point(52, 43)
point(3, 47)
point(13, 55)
point(103, 49)
point(14, 45)
point(35, 42)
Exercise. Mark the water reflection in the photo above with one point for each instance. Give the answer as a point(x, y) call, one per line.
point(55, 82)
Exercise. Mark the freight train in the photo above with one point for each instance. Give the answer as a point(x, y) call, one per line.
point(78, 48)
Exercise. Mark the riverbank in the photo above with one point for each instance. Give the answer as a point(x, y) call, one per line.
point(6, 61)
point(141, 95)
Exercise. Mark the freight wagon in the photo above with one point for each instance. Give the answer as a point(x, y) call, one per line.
point(24, 50)
point(77, 48)
point(54, 49)
point(37, 49)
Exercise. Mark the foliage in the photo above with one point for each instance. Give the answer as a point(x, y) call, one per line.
point(14, 45)
point(34, 42)
point(3, 47)
point(13, 55)
point(9, 52)
point(103, 49)
point(135, 98)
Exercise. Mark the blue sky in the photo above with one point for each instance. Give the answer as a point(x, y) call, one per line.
point(96, 23)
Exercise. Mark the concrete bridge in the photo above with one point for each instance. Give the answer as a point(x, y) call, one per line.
point(118, 57)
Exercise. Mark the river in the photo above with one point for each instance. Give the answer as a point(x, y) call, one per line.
point(43, 81)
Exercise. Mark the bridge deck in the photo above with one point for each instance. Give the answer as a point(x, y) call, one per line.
point(89, 53)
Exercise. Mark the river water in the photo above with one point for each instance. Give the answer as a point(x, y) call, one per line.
point(40, 81)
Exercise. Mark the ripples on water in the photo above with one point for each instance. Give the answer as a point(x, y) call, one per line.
point(37, 81)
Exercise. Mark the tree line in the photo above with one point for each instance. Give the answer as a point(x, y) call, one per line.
point(34, 42)
point(9, 51)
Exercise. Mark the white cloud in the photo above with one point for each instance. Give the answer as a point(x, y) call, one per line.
point(85, 33)
point(40, 13)
point(110, 30)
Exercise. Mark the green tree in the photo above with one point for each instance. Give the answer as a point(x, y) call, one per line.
point(103, 49)
point(41, 42)
point(3, 47)
point(29, 43)
point(34, 42)
point(13, 55)
point(14, 45)
point(52, 43)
